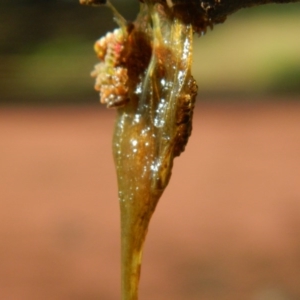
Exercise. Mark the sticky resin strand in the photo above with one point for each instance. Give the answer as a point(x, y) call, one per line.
point(145, 72)
point(150, 131)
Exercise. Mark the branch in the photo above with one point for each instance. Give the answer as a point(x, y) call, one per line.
point(220, 9)
point(202, 14)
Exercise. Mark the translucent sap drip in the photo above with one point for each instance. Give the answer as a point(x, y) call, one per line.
point(146, 133)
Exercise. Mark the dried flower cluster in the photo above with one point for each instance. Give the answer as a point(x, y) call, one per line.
point(111, 75)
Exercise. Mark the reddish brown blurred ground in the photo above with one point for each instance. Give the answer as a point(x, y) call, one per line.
point(228, 226)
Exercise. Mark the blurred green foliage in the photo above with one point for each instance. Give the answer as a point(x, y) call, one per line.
point(46, 51)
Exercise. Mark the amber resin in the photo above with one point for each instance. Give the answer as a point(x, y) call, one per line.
point(145, 72)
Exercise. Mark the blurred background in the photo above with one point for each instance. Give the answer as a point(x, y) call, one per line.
point(46, 51)
point(228, 225)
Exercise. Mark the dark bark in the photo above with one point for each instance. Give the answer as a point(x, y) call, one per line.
point(202, 14)
point(220, 9)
